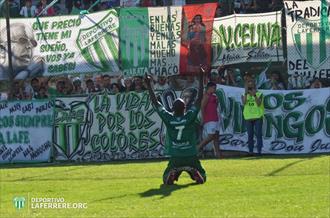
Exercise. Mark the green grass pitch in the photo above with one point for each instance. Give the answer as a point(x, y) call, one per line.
point(271, 186)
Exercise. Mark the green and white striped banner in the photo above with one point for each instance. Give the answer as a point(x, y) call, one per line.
point(99, 43)
point(308, 39)
point(150, 40)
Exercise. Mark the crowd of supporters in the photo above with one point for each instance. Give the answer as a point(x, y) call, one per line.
point(33, 8)
point(45, 87)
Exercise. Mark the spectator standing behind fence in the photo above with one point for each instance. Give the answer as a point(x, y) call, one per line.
point(33, 88)
point(214, 77)
point(60, 88)
point(28, 10)
point(69, 5)
point(274, 82)
point(77, 86)
point(98, 82)
point(138, 84)
point(161, 83)
point(75, 10)
point(90, 87)
point(253, 113)
point(115, 88)
point(233, 78)
point(45, 13)
point(126, 85)
point(316, 84)
point(42, 94)
point(13, 9)
point(17, 92)
point(106, 82)
point(210, 117)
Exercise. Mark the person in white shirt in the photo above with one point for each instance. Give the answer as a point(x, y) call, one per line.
point(28, 10)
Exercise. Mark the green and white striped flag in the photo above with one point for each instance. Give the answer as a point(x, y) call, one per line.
point(150, 40)
point(308, 41)
point(99, 44)
point(311, 34)
point(313, 46)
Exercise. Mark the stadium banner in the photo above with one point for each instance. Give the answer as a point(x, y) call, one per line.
point(106, 127)
point(295, 122)
point(308, 41)
point(26, 131)
point(197, 25)
point(150, 40)
point(242, 38)
point(53, 46)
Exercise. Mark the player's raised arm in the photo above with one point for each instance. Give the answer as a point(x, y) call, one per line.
point(200, 89)
point(151, 92)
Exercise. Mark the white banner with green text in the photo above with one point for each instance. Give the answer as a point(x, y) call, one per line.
point(241, 38)
point(295, 122)
point(53, 46)
point(26, 131)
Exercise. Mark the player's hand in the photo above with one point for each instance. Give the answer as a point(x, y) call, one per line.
point(203, 69)
point(147, 80)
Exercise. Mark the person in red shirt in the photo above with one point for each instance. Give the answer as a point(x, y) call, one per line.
point(210, 118)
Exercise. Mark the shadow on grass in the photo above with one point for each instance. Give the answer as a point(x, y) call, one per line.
point(273, 173)
point(164, 190)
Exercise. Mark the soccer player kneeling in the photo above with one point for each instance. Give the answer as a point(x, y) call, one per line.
point(181, 136)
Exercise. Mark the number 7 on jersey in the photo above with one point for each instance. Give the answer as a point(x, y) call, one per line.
point(180, 130)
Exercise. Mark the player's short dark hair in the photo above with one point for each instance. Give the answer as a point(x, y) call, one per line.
point(178, 105)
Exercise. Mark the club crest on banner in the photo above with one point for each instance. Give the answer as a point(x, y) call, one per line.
point(311, 42)
point(72, 122)
point(99, 44)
